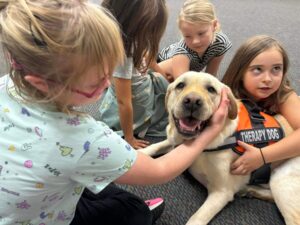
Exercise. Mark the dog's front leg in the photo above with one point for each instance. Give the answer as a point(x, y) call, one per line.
point(215, 202)
point(157, 148)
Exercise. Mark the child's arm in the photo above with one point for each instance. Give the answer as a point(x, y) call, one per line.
point(213, 65)
point(156, 68)
point(124, 98)
point(176, 65)
point(288, 147)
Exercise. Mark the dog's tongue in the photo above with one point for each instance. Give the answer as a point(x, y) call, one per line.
point(189, 124)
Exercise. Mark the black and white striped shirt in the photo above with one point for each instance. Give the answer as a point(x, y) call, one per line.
point(220, 46)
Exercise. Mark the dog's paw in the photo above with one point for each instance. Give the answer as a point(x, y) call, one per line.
point(157, 148)
point(148, 150)
point(196, 220)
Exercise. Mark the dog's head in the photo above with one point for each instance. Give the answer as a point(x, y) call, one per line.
point(191, 101)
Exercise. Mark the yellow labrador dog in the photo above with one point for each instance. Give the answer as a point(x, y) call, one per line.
point(191, 100)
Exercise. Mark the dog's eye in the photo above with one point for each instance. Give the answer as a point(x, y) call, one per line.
point(180, 85)
point(211, 89)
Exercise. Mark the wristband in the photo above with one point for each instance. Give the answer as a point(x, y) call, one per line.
point(262, 155)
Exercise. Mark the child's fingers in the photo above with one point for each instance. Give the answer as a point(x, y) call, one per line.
point(237, 168)
point(222, 111)
point(244, 145)
point(224, 97)
point(141, 143)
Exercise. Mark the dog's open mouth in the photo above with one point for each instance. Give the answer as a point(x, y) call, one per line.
point(189, 126)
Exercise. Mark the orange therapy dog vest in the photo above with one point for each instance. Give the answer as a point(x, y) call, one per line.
point(255, 128)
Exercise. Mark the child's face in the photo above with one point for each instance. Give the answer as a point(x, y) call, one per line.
point(198, 37)
point(90, 87)
point(264, 74)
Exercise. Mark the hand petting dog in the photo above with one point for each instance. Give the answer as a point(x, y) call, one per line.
point(248, 162)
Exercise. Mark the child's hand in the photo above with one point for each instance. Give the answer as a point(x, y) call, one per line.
point(137, 143)
point(169, 78)
point(249, 161)
point(218, 119)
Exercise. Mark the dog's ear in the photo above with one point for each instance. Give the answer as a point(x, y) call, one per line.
point(233, 107)
point(168, 94)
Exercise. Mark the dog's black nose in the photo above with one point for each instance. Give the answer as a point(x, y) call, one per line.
point(192, 102)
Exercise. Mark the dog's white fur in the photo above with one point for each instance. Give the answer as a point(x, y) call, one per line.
point(212, 169)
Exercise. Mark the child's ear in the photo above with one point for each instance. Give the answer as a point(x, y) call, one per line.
point(37, 82)
point(215, 25)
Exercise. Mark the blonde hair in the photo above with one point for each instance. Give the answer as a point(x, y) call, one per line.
point(57, 40)
point(198, 12)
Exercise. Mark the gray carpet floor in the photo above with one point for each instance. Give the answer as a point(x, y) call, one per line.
point(184, 196)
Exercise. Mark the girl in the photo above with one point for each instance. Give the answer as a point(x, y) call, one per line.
point(203, 44)
point(134, 104)
point(258, 72)
point(62, 54)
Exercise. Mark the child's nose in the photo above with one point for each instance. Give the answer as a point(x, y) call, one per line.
point(196, 40)
point(267, 76)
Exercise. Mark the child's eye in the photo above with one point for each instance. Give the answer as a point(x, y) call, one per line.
point(257, 70)
point(277, 69)
point(200, 34)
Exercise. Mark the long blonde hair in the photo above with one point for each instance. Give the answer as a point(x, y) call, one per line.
point(57, 40)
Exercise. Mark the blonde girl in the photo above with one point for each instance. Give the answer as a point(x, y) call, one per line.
point(56, 163)
point(258, 72)
point(203, 44)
